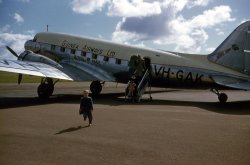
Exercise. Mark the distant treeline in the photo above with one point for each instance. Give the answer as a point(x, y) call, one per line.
point(7, 77)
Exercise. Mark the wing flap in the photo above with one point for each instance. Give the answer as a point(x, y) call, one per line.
point(32, 68)
point(232, 82)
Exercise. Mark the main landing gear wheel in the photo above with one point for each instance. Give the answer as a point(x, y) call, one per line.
point(46, 88)
point(221, 96)
point(96, 88)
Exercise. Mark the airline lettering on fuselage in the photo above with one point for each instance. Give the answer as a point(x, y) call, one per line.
point(86, 48)
point(179, 75)
point(110, 53)
point(67, 44)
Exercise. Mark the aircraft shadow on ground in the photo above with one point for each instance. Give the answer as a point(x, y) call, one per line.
point(106, 98)
point(116, 99)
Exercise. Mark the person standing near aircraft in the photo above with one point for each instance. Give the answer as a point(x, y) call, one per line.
point(131, 89)
point(86, 106)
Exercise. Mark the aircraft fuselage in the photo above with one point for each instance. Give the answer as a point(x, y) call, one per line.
point(106, 61)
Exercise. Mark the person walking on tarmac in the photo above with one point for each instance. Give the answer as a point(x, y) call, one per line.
point(86, 106)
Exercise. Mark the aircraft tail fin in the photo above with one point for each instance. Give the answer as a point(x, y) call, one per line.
point(234, 51)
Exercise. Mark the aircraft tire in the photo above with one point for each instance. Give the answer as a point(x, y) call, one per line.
point(45, 90)
point(96, 88)
point(222, 97)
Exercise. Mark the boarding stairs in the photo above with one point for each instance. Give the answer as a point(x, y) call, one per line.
point(141, 86)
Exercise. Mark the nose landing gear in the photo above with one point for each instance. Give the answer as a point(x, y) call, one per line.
point(221, 96)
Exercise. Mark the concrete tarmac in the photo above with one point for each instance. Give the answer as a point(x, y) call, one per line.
point(176, 127)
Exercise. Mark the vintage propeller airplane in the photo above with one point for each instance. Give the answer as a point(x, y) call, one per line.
point(55, 56)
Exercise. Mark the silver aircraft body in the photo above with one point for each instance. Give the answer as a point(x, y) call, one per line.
point(62, 56)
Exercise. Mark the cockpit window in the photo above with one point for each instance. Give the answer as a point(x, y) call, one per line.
point(34, 39)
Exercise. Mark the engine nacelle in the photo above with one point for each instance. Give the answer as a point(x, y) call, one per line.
point(28, 55)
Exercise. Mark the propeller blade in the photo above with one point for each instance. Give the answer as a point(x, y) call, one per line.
point(20, 77)
point(12, 51)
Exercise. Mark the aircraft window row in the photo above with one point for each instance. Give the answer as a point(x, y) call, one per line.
point(87, 54)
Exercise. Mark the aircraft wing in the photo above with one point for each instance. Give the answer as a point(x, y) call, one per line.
point(32, 68)
point(85, 72)
point(232, 82)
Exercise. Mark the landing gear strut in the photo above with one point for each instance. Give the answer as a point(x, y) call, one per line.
point(96, 87)
point(221, 96)
point(46, 88)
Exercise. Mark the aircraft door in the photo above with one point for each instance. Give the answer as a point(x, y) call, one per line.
point(147, 62)
point(132, 65)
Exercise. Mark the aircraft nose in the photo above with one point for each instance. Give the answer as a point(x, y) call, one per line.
point(31, 45)
point(28, 45)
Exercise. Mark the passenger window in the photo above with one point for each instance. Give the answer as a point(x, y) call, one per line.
point(83, 54)
point(94, 56)
point(62, 49)
point(106, 58)
point(118, 61)
point(53, 47)
point(72, 51)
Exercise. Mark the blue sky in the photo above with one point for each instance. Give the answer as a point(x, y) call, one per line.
point(192, 26)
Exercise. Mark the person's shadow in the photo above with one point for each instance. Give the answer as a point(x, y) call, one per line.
point(71, 129)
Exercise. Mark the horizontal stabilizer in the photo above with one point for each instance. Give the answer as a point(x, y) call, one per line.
point(232, 82)
point(32, 68)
